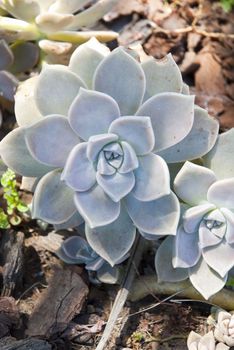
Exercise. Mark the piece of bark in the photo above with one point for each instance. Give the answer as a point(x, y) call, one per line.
point(9, 315)
point(11, 253)
point(58, 304)
point(25, 344)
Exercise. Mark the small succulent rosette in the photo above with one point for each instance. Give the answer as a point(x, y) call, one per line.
point(98, 135)
point(54, 23)
point(14, 60)
point(203, 247)
point(224, 327)
point(76, 250)
point(206, 342)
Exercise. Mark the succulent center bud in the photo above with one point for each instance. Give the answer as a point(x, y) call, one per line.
point(113, 154)
point(215, 222)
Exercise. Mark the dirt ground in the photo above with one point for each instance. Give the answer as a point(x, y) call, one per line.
point(56, 303)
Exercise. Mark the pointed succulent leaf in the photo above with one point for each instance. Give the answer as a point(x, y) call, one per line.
point(91, 15)
point(229, 215)
point(220, 257)
point(26, 111)
point(103, 167)
point(197, 342)
point(96, 207)
point(159, 217)
point(152, 178)
point(113, 241)
point(185, 89)
point(221, 193)
point(77, 249)
point(53, 200)
point(137, 131)
point(161, 76)
point(116, 186)
point(8, 85)
point(171, 117)
point(208, 238)
point(6, 55)
point(25, 10)
point(56, 89)
point(44, 140)
point(74, 221)
point(129, 88)
point(71, 6)
point(206, 280)
point(205, 129)
point(193, 340)
point(220, 159)
point(13, 150)
point(192, 183)
point(79, 172)
point(163, 263)
point(130, 160)
point(27, 56)
point(86, 58)
point(52, 22)
point(87, 121)
point(186, 250)
point(108, 274)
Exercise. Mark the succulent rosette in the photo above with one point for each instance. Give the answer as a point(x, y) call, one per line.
point(224, 328)
point(98, 134)
point(55, 24)
point(206, 342)
point(203, 247)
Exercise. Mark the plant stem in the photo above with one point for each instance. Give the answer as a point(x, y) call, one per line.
point(26, 30)
point(82, 37)
point(145, 285)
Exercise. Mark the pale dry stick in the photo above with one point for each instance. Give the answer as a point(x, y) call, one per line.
point(123, 292)
point(224, 298)
point(29, 289)
point(194, 29)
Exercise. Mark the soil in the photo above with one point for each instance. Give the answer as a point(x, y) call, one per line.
point(46, 304)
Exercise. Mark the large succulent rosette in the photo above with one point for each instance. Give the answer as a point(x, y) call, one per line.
point(98, 134)
point(203, 247)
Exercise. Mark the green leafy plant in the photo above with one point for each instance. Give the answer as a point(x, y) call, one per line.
point(14, 205)
point(227, 5)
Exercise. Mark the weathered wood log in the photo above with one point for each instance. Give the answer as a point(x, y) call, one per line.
point(58, 304)
point(145, 285)
point(10, 343)
point(11, 259)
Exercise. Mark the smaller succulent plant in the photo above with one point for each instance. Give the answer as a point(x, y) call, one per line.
point(203, 247)
point(8, 83)
point(14, 60)
point(54, 23)
point(224, 328)
point(76, 250)
point(207, 342)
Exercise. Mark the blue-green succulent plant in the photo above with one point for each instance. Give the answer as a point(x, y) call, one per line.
point(55, 24)
point(203, 248)
point(98, 135)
